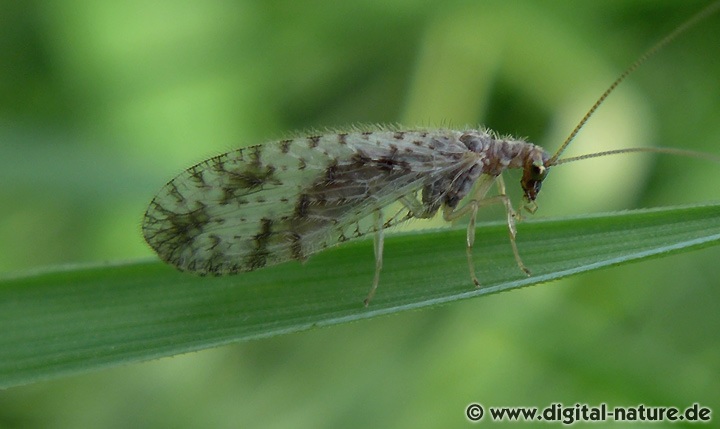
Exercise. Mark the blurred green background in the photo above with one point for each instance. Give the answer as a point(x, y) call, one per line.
point(101, 103)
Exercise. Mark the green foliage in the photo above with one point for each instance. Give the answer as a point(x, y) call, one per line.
point(101, 103)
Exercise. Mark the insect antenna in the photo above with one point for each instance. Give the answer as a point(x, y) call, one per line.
point(667, 150)
point(704, 13)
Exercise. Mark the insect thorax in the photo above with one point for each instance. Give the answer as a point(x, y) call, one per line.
point(491, 155)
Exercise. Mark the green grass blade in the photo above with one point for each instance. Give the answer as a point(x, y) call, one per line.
point(77, 319)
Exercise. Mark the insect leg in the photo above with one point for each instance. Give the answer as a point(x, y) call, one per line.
point(479, 200)
point(416, 209)
point(378, 242)
point(511, 216)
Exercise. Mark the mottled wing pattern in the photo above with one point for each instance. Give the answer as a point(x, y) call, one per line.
point(284, 200)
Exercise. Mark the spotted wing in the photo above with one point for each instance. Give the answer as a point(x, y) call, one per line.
point(271, 203)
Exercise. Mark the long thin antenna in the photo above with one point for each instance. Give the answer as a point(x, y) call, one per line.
point(707, 11)
point(667, 150)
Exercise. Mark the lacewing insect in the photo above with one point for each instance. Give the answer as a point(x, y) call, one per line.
point(285, 200)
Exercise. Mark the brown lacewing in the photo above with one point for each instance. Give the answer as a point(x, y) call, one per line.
point(285, 200)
